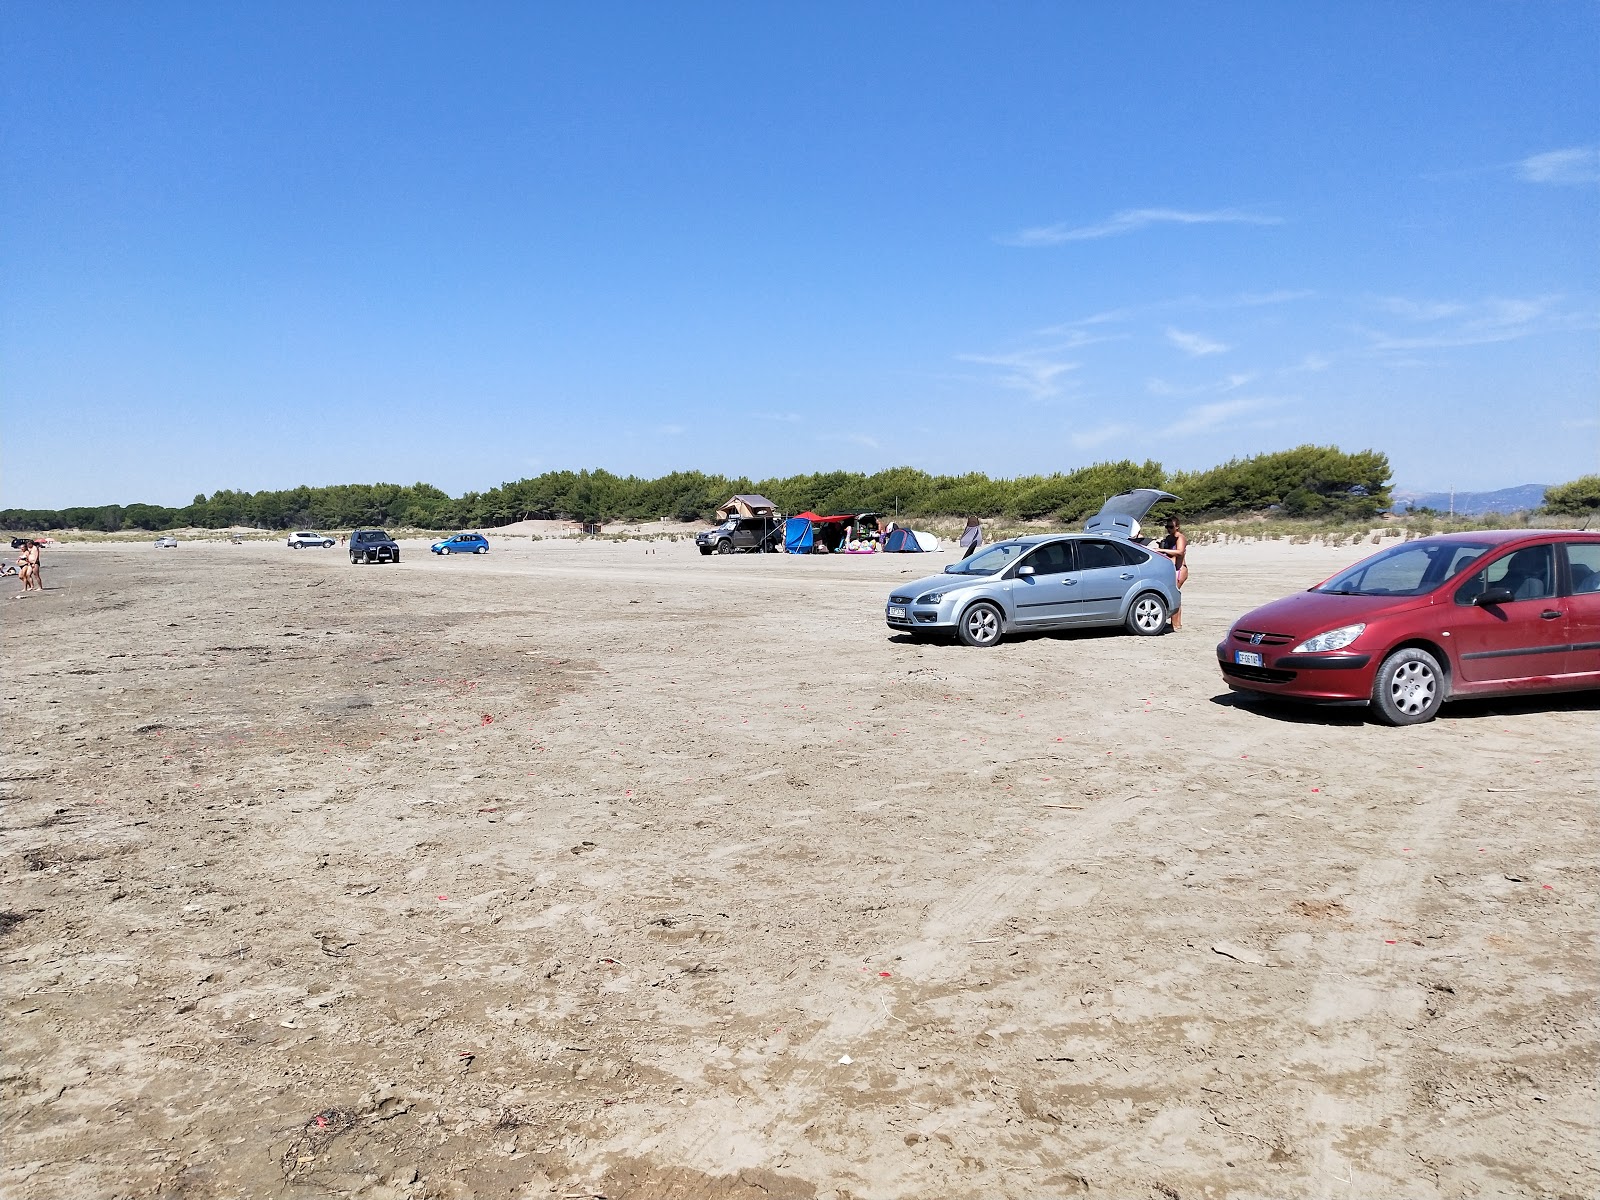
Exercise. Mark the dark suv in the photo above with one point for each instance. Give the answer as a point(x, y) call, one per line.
point(373, 545)
point(742, 534)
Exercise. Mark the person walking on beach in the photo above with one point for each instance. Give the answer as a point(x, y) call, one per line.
point(1176, 547)
point(971, 537)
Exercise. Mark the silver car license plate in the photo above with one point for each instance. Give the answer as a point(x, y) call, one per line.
point(1246, 659)
point(896, 613)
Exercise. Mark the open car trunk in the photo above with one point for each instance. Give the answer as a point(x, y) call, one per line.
point(1121, 514)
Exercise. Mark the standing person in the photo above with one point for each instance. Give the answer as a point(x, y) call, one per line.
point(1176, 547)
point(23, 572)
point(28, 568)
point(971, 537)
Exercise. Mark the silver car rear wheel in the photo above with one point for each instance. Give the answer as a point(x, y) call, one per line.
point(980, 625)
point(1148, 615)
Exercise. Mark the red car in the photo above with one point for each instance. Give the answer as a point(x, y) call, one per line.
point(1425, 621)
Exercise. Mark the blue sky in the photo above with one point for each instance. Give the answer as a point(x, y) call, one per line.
point(260, 245)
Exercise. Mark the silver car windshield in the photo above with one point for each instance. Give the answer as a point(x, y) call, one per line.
point(1409, 569)
point(991, 561)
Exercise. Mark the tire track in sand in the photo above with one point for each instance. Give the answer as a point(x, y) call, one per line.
point(764, 1129)
point(1351, 1123)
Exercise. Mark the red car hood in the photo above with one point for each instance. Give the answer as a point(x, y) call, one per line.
point(1306, 614)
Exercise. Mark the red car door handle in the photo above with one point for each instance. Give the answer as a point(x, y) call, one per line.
point(1550, 614)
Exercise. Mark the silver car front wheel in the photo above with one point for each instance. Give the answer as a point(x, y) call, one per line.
point(980, 625)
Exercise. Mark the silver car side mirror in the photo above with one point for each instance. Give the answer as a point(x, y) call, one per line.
point(950, 569)
point(1021, 571)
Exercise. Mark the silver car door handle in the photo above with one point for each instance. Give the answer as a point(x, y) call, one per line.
point(1069, 582)
point(1127, 574)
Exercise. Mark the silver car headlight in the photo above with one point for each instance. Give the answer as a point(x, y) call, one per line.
point(1334, 639)
point(931, 597)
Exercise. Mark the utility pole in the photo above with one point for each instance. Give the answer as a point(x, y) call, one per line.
point(1452, 501)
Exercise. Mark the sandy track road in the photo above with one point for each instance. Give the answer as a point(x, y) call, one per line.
point(581, 868)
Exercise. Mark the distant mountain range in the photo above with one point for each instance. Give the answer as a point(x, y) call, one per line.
point(1506, 500)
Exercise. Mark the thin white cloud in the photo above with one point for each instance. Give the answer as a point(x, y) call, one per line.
point(1194, 343)
point(1573, 165)
point(1118, 316)
point(1131, 220)
point(1038, 373)
point(1068, 337)
point(857, 439)
point(1314, 362)
point(670, 430)
point(1478, 323)
point(1087, 439)
point(788, 418)
point(1421, 310)
point(1257, 299)
point(1206, 418)
point(1228, 383)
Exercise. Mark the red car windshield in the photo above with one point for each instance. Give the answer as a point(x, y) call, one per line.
point(1409, 569)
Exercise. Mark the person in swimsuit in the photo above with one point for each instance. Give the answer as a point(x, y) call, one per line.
point(28, 567)
point(1176, 547)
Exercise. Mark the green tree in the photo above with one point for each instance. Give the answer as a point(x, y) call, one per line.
point(1576, 496)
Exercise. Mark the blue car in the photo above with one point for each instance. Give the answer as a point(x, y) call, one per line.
point(462, 543)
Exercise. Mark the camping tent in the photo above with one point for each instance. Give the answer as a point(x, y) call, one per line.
point(747, 506)
point(797, 534)
point(902, 541)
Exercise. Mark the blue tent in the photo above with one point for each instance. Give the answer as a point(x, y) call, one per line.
point(797, 535)
point(902, 541)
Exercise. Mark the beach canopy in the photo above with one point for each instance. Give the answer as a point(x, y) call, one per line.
point(835, 520)
point(797, 537)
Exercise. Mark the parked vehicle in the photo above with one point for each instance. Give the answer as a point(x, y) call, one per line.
point(303, 538)
point(462, 543)
point(738, 535)
point(373, 545)
point(166, 542)
point(1099, 577)
point(1431, 620)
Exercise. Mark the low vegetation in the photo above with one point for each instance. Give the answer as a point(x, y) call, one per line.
point(1308, 481)
point(1582, 495)
point(1310, 491)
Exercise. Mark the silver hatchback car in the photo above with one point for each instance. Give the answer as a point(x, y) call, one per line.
point(1102, 576)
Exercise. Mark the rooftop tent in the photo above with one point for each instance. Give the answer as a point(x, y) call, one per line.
point(902, 541)
point(747, 506)
point(797, 535)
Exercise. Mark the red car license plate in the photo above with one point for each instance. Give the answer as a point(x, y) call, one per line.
point(1246, 658)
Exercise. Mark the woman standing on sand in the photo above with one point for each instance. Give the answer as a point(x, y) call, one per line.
point(28, 568)
point(1176, 547)
point(971, 537)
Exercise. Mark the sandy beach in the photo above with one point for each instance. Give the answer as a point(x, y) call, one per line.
point(605, 869)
